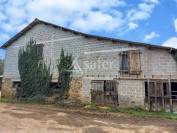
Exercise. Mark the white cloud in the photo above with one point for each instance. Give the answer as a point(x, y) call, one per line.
point(175, 24)
point(138, 15)
point(146, 7)
point(152, 1)
point(132, 26)
point(171, 42)
point(143, 11)
point(64, 12)
point(84, 15)
point(103, 22)
point(151, 36)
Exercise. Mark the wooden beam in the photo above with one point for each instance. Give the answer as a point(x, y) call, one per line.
point(155, 83)
point(162, 93)
point(149, 97)
point(171, 102)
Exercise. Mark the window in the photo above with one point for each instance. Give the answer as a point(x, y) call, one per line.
point(40, 51)
point(130, 62)
point(135, 63)
point(125, 62)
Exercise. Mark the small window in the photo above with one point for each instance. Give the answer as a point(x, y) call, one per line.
point(130, 62)
point(40, 51)
point(124, 62)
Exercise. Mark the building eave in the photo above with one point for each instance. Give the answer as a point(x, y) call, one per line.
point(37, 21)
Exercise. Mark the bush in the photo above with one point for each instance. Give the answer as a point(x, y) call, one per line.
point(65, 70)
point(34, 73)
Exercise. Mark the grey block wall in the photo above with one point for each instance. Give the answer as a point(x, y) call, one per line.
point(54, 40)
point(131, 92)
point(155, 63)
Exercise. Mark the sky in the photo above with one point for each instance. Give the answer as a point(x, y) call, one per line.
point(149, 21)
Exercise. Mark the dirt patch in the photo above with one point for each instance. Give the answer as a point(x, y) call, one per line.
point(41, 119)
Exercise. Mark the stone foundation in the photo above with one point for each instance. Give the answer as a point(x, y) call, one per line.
point(75, 92)
point(7, 89)
point(130, 92)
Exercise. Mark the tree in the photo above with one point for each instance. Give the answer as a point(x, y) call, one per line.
point(65, 70)
point(34, 73)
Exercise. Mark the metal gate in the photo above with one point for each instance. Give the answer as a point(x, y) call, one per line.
point(104, 92)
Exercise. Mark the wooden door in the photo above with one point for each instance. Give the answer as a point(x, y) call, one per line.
point(104, 92)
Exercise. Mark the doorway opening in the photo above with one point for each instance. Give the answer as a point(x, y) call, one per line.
point(104, 92)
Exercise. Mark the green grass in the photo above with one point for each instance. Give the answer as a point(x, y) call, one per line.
point(134, 111)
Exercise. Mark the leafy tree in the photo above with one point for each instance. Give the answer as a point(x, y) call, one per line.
point(34, 73)
point(65, 70)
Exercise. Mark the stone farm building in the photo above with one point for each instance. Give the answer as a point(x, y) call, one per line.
point(106, 70)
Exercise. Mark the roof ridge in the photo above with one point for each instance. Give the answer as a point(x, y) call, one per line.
point(37, 21)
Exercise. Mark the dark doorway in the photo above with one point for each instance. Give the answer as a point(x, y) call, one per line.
point(174, 90)
point(160, 94)
point(104, 92)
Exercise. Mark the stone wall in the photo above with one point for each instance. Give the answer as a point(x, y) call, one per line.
point(131, 92)
point(7, 89)
point(75, 92)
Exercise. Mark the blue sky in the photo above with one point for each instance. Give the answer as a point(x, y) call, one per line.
point(150, 21)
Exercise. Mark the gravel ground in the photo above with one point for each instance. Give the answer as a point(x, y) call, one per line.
point(16, 118)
